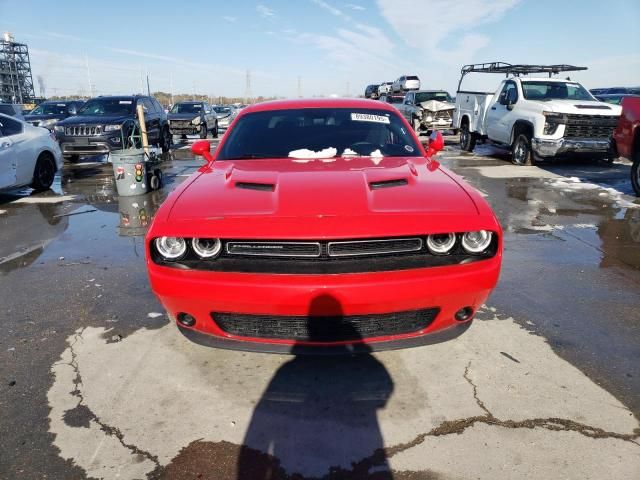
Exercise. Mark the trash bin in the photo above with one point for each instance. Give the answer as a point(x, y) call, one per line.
point(130, 171)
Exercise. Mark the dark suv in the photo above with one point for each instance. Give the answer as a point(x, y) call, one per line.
point(104, 124)
point(47, 114)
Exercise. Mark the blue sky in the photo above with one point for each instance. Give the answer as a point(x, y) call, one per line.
point(333, 46)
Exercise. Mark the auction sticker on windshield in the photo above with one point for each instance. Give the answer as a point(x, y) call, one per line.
point(366, 117)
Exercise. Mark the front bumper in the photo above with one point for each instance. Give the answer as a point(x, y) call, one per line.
point(200, 293)
point(562, 146)
point(439, 124)
point(184, 129)
point(90, 145)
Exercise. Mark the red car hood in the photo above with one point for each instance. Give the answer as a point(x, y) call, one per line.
point(331, 187)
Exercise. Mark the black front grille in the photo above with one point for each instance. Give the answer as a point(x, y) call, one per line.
point(374, 247)
point(274, 249)
point(590, 126)
point(325, 328)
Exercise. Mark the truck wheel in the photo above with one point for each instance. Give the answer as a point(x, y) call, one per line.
point(467, 139)
point(635, 173)
point(44, 172)
point(203, 131)
point(521, 153)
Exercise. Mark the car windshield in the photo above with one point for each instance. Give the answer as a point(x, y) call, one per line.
point(108, 106)
point(50, 109)
point(555, 91)
point(186, 108)
point(395, 99)
point(426, 96)
point(225, 110)
point(298, 133)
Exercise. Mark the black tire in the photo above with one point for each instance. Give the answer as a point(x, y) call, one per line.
point(72, 158)
point(521, 153)
point(635, 173)
point(165, 140)
point(467, 139)
point(203, 131)
point(183, 137)
point(214, 132)
point(44, 172)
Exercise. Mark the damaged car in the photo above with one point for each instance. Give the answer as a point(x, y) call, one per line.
point(318, 224)
point(428, 110)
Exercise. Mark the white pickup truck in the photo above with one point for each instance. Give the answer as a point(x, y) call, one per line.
point(535, 117)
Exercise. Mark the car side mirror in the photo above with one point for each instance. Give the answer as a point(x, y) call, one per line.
point(202, 148)
point(72, 110)
point(436, 143)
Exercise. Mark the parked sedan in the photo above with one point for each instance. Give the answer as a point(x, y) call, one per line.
point(188, 118)
point(48, 114)
point(323, 223)
point(28, 155)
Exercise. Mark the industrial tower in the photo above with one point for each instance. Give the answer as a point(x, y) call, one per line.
point(16, 82)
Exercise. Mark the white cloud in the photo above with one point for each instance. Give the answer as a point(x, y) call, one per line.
point(331, 9)
point(353, 6)
point(449, 23)
point(230, 19)
point(265, 11)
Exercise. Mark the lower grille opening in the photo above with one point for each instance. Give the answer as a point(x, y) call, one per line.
point(325, 328)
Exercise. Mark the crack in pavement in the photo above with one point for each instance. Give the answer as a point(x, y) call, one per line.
point(81, 406)
point(459, 426)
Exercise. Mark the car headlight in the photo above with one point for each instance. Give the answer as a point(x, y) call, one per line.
point(552, 120)
point(58, 129)
point(441, 243)
point(49, 122)
point(206, 247)
point(171, 248)
point(476, 242)
point(111, 128)
point(196, 121)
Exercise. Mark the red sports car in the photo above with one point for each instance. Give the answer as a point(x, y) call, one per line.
point(323, 224)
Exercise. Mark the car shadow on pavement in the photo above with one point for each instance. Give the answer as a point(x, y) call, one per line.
point(318, 414)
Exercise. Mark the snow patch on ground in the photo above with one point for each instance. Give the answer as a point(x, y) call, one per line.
point(59, 199)
point(572, 184)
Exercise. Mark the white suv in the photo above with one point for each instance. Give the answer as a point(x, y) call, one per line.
point(406, 82)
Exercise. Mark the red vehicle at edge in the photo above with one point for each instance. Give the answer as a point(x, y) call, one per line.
point(627, 137)
point(323, 224)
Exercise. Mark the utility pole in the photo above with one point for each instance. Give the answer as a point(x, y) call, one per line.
point(86, 59)
point(299, 86)
point(171, 87)
point(247, 89)
point(148, 89)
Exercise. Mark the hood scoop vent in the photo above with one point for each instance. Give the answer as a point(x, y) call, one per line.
point(595, 107)
point(397, 182)
point(264, 187)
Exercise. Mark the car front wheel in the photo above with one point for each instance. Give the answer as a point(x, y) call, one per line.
point(214, 132)
point(44, 172)
point(203, 130)
point(165, 140)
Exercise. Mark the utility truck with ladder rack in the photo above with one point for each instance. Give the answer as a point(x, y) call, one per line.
point(536, 117)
